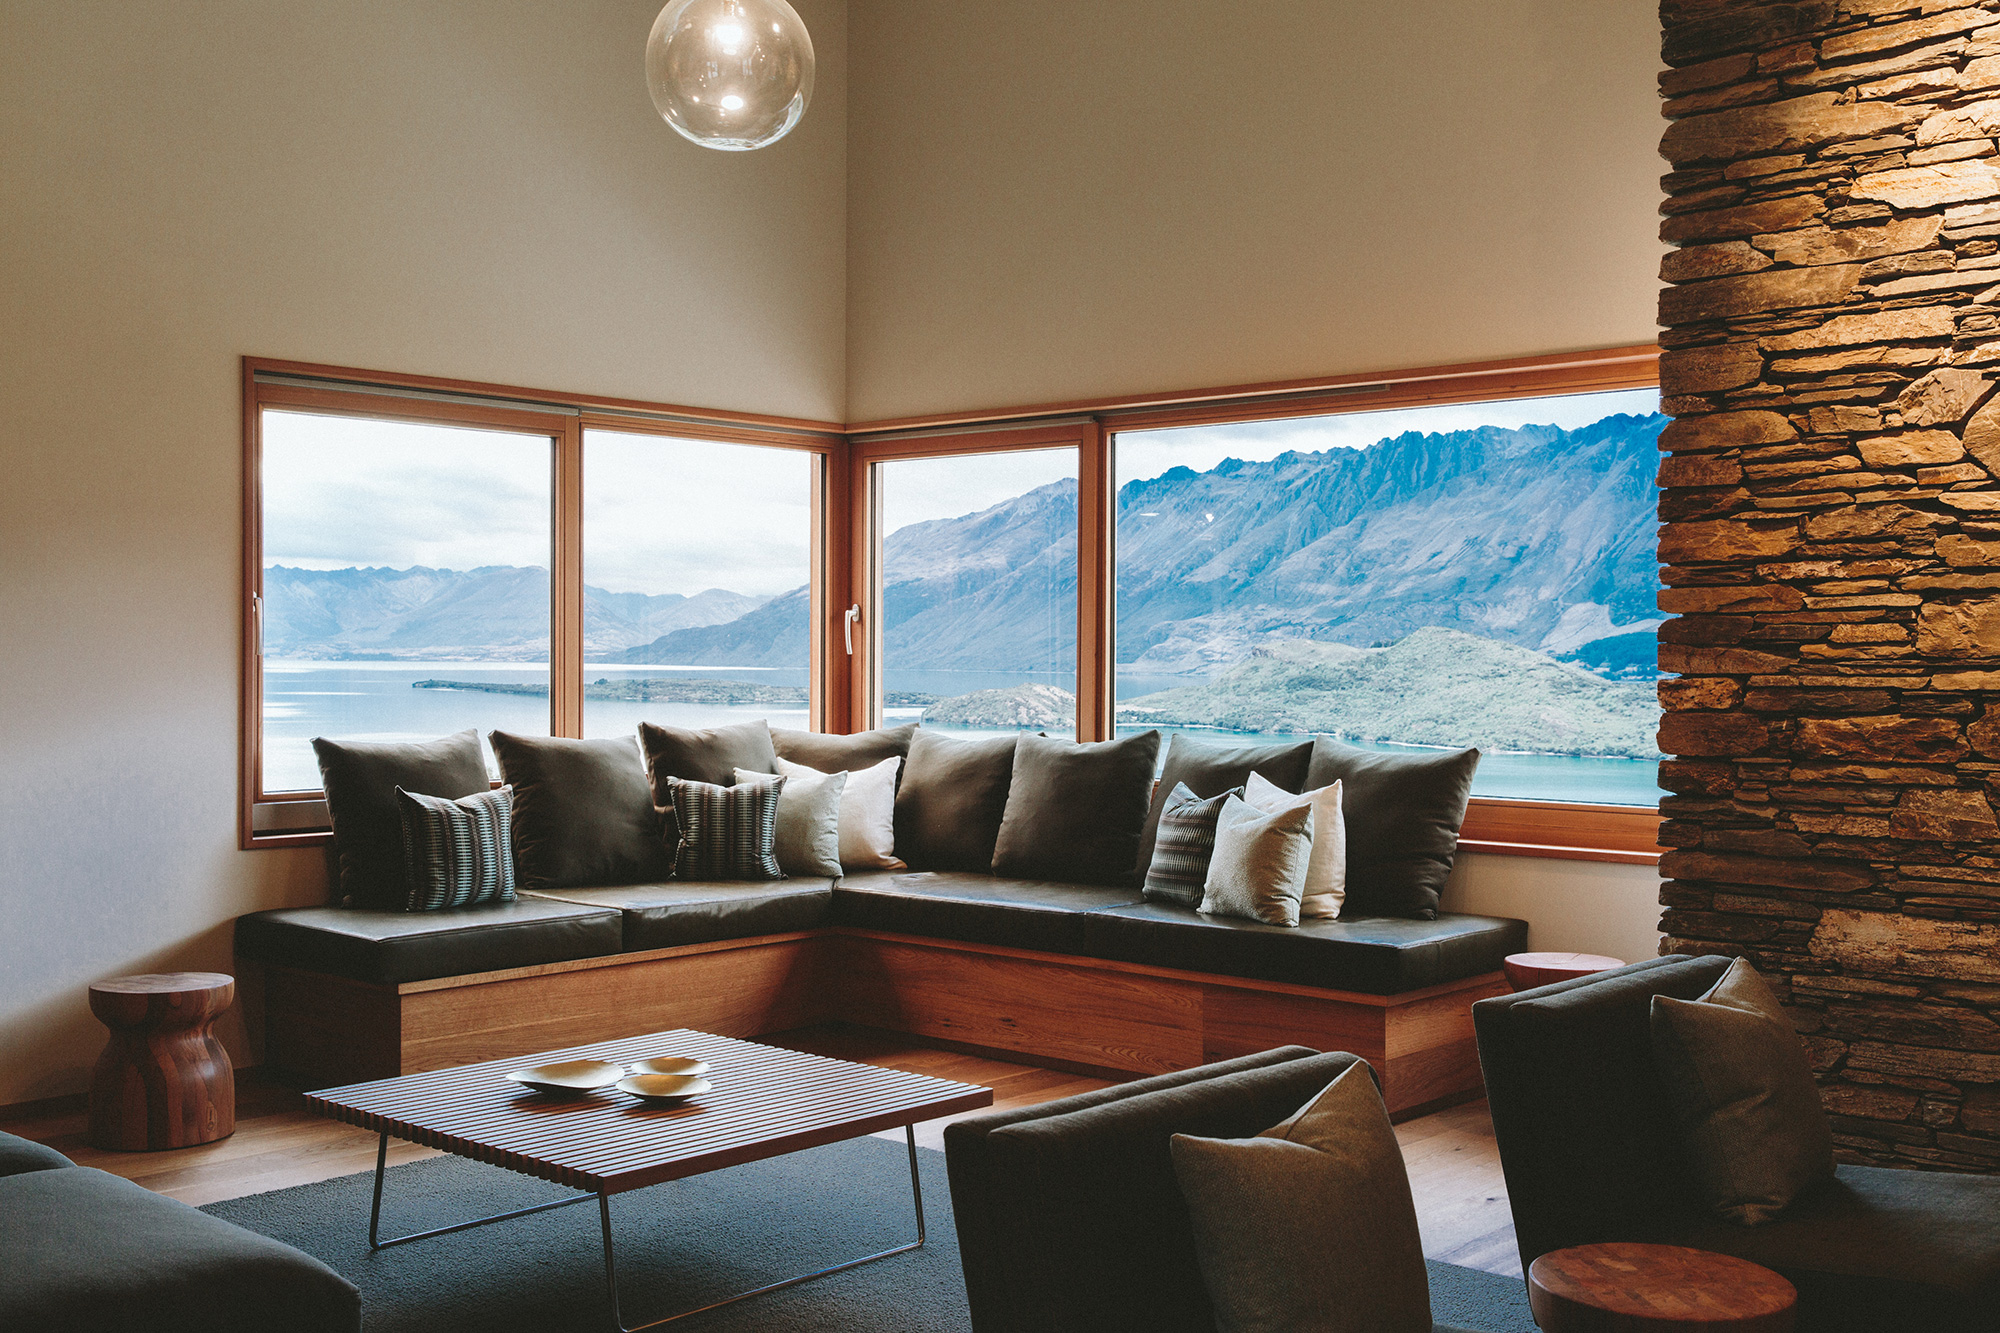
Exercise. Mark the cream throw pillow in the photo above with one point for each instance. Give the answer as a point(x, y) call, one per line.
point(807, 841)
point(1258, 870)
point(1326, 873)
point(867, 814)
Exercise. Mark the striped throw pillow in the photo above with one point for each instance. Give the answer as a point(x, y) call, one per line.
point(456, 853)
point(1186, 843)
point(726, 832)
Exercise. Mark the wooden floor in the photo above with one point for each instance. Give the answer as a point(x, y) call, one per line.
point(1454, 1167)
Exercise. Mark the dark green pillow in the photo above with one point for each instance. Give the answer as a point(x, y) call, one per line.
point(1074, 809)
point(1402, 812)
point(1209, 768)
point(583, 813)
point(710, 756)
point(951, 800)
point(361, 778)
point(1742, 1089)
point(842, 754)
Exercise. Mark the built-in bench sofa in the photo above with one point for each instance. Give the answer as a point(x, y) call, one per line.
point(1079, 976)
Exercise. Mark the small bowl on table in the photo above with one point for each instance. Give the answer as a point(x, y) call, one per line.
point(663, 1089)
point(568, 1077)
point(683, 1066)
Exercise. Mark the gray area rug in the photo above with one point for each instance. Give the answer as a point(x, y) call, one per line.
point(683, 1245)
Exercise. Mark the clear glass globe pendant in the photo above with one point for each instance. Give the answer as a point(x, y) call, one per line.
point(730, 74)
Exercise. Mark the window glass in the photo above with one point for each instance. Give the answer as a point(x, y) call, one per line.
point(979, 591)
point(1467, 574)
point(406, 584)
point(697, 567)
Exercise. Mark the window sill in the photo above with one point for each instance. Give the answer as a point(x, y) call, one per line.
point(1621, 834)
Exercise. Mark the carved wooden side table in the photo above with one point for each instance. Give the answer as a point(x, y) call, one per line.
point(164, 1081)
point(1632, 1288)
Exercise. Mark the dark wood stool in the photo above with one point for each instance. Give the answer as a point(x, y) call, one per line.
point(1525, 971)
point(164, 1081)
point(1629, 1288)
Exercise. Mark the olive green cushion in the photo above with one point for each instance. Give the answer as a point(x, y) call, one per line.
point(583, 813)
point(1403, 813)
point(950, 802)
point(1075, 810)
point(361, 778)
point(1310, 1226)
point(1742, 1090)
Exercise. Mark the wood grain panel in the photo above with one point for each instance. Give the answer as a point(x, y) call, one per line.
point(1060, 1010)
point(328, 1029)
point(733, 992)
point(1243, 1022)
point(1434, 1019)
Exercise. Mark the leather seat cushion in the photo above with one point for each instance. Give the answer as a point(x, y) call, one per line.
point(660, 916)
point(980, 909)
point(1879, 1248)
point(90, 1253)
point(390, 947)
point(1373, 955)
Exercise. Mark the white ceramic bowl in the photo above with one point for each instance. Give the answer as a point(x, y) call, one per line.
point(569, 1076)
point(663, 1089)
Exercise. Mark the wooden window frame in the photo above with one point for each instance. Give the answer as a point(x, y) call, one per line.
point(298, 819)
point(845, 537)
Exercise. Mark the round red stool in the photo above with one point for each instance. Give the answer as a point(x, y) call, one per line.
point(1629, 1288)
point(1525, 971)
point(164, 1081)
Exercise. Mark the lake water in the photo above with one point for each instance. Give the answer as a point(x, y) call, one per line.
point(376, 701)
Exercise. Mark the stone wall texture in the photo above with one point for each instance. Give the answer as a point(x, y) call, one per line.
point(1831, 541)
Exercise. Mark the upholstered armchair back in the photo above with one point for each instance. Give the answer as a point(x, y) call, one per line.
point(1586, 1136)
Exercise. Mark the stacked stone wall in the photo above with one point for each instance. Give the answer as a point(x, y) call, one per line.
point(1831, 541)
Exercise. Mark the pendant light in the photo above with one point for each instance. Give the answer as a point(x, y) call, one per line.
point(730, 74)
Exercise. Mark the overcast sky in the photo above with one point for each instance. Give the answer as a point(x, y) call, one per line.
point(664, 515)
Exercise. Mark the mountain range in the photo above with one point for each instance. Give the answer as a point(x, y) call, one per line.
point(1537, 537)
point(493, 613)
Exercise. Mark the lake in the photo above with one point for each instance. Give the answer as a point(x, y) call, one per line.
point(376, 701)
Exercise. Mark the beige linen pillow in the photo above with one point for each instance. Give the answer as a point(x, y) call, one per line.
point(867, 814)
point(807, 841)
point(1742, 1089)
point(1326, 872)
point(1309, 1227)
point(1258, 869)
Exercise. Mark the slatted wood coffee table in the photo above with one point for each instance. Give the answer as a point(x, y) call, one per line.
point(764, 1102)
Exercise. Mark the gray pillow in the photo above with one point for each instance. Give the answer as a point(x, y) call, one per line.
point(1403, 813)
point(1742, 1090)
point(361, 778)
point(457, 853)
point(842, 754)
point(1309, 1227)
point(1074, 809)
point(1184, 846)
point(1258, 868)
point(950, 801)
point(808, 833)
point(582, 812)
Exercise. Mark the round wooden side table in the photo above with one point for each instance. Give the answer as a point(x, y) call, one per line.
point(1525, 971)
point(164, 1081)
point(1630, 1288)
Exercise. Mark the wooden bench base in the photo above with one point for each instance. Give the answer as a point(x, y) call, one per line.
point(1066, 1012)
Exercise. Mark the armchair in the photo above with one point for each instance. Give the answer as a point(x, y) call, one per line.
point(1591, 1153)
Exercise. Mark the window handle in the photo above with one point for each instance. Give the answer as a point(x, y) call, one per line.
point(257, 619)
point(847, 627)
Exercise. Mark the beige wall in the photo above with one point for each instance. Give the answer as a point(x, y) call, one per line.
point(1570, 906)
point(470, 188)
point(1050, 200)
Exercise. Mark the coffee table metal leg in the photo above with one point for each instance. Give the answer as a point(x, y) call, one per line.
point(375, 1213)
point(611, 1272)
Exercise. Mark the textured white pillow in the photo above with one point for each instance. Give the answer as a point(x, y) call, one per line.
point(1326, 873)
point(1259, 866)
point(808, 833)
point(867, 814)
